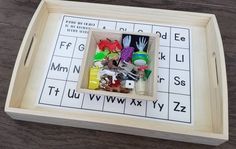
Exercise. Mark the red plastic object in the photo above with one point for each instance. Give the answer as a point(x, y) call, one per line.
point(111, 46)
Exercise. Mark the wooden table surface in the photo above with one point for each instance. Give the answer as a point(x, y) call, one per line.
point(15, 16)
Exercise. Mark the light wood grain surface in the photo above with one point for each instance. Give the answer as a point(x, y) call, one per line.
point(14, 18)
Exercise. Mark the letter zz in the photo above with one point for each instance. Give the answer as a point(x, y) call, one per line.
point(179, 108)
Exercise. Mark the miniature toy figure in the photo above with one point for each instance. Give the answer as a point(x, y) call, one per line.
point(109, 73)
point(127, 51)
point(100, 55)
point(106, 84)
point(128, 70)
point(146, 71)
point(116, 87)
point(140, 58)
point(111, 46)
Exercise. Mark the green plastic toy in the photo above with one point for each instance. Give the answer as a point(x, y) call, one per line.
point(99, 56)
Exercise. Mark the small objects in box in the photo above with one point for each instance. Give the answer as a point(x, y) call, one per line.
point(118, 68)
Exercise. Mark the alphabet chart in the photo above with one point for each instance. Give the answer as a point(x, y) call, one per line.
point(174, 101)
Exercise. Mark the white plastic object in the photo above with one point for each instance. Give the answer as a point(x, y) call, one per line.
point(128, 84)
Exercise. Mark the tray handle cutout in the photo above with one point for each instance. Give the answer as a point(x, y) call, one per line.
point(29, 51)
point(215, 70)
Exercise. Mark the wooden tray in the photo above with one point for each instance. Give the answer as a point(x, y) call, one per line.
point(210, 123)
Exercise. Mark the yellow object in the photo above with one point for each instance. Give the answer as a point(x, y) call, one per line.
point(94, 78)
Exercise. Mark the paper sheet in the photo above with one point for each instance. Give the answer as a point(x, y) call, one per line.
point(174, 102)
